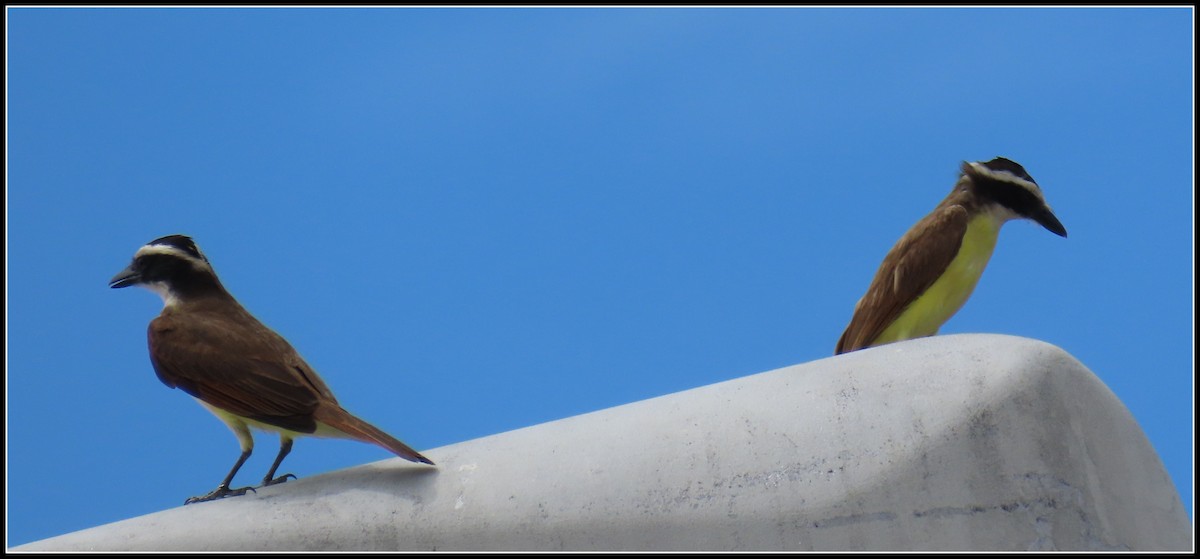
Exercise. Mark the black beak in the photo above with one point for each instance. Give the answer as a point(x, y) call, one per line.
point(125, 278)
point(1046, 218)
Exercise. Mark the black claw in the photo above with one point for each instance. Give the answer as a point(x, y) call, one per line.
point(219, 493)
point(268, 482)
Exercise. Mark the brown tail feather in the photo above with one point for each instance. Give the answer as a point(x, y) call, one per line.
point(355, 428)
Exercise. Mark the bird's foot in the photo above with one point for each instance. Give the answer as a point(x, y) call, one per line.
point(219, 493)
point(268, 482)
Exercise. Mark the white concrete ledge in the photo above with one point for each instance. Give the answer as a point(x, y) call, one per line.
point(968, 442)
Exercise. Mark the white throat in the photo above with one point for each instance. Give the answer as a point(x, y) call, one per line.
point(169, 297)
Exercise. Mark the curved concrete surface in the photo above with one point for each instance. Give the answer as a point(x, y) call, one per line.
point(966, 442)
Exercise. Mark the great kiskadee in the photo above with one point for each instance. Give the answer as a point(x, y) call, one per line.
point(934, 267)
point(206, 344)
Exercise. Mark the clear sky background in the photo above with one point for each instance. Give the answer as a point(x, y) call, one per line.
point(475, 220)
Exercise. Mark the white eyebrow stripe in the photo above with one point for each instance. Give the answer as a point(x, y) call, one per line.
point(1007, 176)
point(162, 249)
point(169, 250)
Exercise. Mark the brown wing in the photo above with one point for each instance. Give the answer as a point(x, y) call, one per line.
point(905, 274)
point(240, 366)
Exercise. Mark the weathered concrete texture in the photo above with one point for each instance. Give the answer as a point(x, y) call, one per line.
point(970, 442)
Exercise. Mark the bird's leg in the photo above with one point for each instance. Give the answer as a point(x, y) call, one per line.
point(223, 490)
point(285, 446)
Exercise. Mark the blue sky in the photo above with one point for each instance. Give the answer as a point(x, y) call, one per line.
point(476, 220)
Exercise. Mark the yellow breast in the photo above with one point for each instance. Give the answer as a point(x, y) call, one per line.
point(925, 315)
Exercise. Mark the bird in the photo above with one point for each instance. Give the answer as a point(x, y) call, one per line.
point(932, 270)
point(206, 344)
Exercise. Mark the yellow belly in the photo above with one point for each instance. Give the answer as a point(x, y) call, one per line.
point(241, 427)
point(925, 315)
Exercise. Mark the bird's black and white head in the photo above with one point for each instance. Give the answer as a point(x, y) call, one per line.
point(1010, 190)
point(171, 266)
